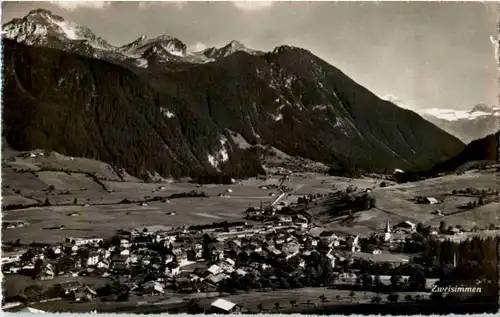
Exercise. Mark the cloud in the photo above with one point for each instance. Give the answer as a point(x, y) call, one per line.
point(148, 4)
point(84, 4)
point(198, 47)
point(397, 101)
point(253, 5)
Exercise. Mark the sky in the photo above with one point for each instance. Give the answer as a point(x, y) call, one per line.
point(429, 55)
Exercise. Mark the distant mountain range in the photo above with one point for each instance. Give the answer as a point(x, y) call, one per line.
point(153, 106)
point(471, 125)
point(467, 125)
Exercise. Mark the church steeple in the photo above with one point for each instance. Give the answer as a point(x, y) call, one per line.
point(387, 227)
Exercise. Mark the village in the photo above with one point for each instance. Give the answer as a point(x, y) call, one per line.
point(277, 246)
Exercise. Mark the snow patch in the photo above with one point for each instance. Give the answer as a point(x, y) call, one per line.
point(67, 28)
point(221, 155)
point(169, 114)
point(212, 161)
point(277, 117)
point(141, 62)
point(320, 107)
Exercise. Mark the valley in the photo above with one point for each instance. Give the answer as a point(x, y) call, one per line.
point(166, 175)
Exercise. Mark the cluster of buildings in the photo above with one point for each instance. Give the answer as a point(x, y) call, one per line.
point(180, 259)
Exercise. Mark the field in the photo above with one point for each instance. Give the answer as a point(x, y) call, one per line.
point(15, 284)
point(107, 212)
point(302, 299)
point(395, 204)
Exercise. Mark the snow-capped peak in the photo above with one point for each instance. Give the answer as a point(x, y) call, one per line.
point(231, 48)
point(42, 26)
point(480, 110)
point(167, 43)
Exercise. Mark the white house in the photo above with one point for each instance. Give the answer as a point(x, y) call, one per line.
point(124, 243)
point(125, 252)
point(93, 259)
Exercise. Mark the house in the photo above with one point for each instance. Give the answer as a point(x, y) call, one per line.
point(185, 285)
point(84, 294)
point(241, 272)
point(120, 263)
point(103, 264)
point(214, 269)
point(169, 258)
point(47, 273)
point(223, 306)
point(215, 279)
point(290, 249)
point(125, 252)
point(93, 259)
point(125, 243)
point(407, 225)
point(205, 287)
point(427, 200)
point(285, 219)
point(217, 255)
point(153, 288)
point(180, 254)
point(272, 250)
point(69, 287)
point(172, 270)
point(236, 243)
point(352, 243)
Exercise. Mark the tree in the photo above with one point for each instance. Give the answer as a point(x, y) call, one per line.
point(442, 226)
point(436, 296)
point(27, 256)
point(408, 297)
point(47, 202)
point(395, 280)
point(351, 295)
point(416, 278)
point(37, 269)
point(322, 298)
point(393, 298)
point(207, 252)
point(277, 305)
point(376, 300)
point(366, 280)
point(378, 282)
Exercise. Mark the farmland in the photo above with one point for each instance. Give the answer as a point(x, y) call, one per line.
point(100, 209)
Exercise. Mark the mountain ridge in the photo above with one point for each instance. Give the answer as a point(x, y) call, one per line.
point(288, 99)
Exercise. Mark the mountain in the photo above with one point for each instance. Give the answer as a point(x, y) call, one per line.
point(231, 48)
point(188, 121)
point(481, 150)
point(43, 28)
point(470, 125)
